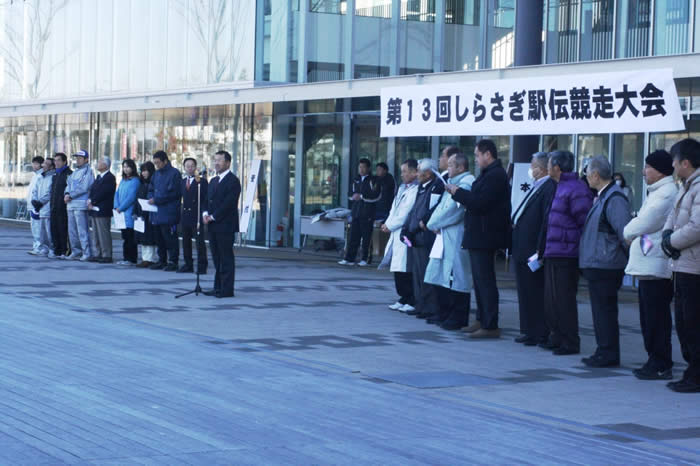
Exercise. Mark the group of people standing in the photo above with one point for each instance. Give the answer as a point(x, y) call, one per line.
point(445, 229)
point(71, 213)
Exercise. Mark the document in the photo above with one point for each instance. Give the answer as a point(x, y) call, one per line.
point(146, 207)
point(119, 220)
point(95, 208)
point(434, 199)
point(438, 247)
point(534, 262)
point(139, 225)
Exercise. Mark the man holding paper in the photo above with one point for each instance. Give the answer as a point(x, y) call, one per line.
point(529, 234)
point(450, 269)
point(164, 193)
point(99, 206)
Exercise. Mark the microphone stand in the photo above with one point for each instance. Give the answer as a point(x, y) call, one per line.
point(197, 288)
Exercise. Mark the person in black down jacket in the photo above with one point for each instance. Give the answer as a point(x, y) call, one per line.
point(486, 229)
point(146, 238)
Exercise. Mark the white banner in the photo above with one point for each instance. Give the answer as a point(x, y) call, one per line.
point(251, 185)
point(522, 183)
point(629, 102)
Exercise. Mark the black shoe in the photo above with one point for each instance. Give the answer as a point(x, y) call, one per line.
point(597, 361)
point(95, 259)
point(452, 325)
point(548, 345)
point(563, 351)
point(210, 293)
point(227, 295)
point(185, 269)
point(530, 342)
point(414, 312)
point(684, 386)
point(435, 321)
point(157, 266)
point(105, 260)
point(647, 373)
point(521, 339)
point(170, 268)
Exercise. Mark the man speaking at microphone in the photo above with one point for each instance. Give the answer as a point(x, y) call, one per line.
point(221, 217)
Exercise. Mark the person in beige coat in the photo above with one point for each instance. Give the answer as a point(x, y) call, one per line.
point(652, 267)
point(681, 242)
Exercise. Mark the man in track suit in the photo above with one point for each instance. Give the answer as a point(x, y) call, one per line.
point(222, 220)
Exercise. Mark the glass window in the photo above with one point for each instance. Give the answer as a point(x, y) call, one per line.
point(633, 24)
point(323, 147)
point(280, 41)
point(418, 147)
point(500, 36)
point(562, 31)
point(591, 145)
point(418, 10)
point(666, 140)
point(465, 143)
point(671, 26)
point(628, 158)
point(373, 8)
point(372, 46)
point(462, 43)
point(325, 46)
point(596, 29)
point(697, 26)
point(558, 142)
point(328, 6)
point(101, 65)
point(365, 141)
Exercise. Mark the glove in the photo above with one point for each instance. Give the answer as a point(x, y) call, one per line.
point(37, 205)
point(669, 250)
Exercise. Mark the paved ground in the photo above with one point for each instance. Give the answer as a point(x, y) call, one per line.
point(101, 365)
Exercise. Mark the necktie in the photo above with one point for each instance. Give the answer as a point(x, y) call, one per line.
point(188, 184)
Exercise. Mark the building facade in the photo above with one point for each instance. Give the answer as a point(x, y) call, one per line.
point(296, 83)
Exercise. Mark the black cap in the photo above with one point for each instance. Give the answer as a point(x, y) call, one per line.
point(661, 161)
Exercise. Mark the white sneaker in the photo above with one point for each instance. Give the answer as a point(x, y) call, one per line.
point(33, 252)
point(42, 253)
point(73, 257)
point(396, 306)
point(362, 264)
point(124, 263)
point(84, 258)
point(406, 308)
point(51, 255)
point(344, 262)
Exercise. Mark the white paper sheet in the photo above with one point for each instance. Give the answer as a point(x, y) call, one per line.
point(434, 199)
point(146, 207)
point(534, 262)
point(119, 220)
point(438, 249)
point(139, 225)
point(95, 208)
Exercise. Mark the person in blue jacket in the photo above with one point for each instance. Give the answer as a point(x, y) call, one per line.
point(124, 200)
point(164, 193)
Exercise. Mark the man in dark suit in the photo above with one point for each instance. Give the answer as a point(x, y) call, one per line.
point(486, 229)
point(221, 217)
point(529, 234)
point(59, 214)
point(100, 203)
point(194, 202)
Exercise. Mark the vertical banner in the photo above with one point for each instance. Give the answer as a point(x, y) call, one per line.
point(624, 102)
point(522, 183)
point(251, 186)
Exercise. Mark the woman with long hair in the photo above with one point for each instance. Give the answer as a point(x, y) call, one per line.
point(146, 238)
point(124, 200)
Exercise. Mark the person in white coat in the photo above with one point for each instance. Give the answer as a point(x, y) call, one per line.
point(35, 223)
point(449, 267)
point(396, 252)
point(652, 268)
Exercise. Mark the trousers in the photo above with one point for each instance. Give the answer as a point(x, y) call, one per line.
point(404, 287)
point(485, 287)
point(79, 233)
point(687, 294)
point(168, 243)
point(655, 318)
point(561, 310)
point(188, 233)
point(530, 286)
point(101, 236)
point(360, 232)
point(59, 231)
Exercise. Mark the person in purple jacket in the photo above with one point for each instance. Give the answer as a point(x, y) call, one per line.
point(567, 216)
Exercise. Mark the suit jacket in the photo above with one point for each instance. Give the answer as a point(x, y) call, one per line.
point(223, 197)
point(530, 232)
point(102, 195)
point(190, 215)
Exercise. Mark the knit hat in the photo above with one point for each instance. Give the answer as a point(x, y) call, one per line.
point(661, 161)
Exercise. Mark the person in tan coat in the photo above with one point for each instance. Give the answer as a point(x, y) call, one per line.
point(681, 242)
